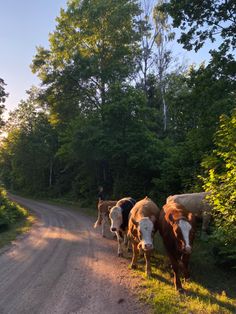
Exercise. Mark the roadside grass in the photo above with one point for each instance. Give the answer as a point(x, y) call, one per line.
point(21, 226)
point(212, 290)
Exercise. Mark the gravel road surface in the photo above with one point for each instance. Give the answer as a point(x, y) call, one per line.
point(64, 266)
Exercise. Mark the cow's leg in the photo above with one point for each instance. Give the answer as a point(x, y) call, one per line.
point(106, 224)
point(135, 255)
point(185, 260)
point(103, 228)
point(99, 220)
point(147, 256)
point(126, 243)
point(175, 267)
point(119, 242)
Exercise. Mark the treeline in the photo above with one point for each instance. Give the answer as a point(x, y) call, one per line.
point(115, 109)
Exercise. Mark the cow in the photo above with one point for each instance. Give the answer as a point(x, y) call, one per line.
point(143, 224)
point(119, 216)
point(103, 214)
point(177, 228)
point(195, 203)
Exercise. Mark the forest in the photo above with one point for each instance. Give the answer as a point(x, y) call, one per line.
point(115, 108)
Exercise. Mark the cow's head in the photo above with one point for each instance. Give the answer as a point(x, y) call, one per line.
point(145, 232)
point(116, 218)
point(183, 233)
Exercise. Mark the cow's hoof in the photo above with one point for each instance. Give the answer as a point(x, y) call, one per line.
point(120, 254)
point(181, 290)
point(133, 266)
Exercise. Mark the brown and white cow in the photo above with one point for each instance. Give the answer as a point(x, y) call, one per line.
point(119, 216)
point(195, 203)
point(177, 228)
point(103, 214)
point(143, 224)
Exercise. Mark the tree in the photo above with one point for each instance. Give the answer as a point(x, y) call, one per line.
point(163, 54)
point(94, 45)
point(145, 59)
point(203, 20)
point(28, 153)
point(3, 96)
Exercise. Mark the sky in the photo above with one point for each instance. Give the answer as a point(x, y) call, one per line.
point(25, 24)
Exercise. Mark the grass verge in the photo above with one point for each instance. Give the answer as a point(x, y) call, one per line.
point(212, 290)
point(21, 226)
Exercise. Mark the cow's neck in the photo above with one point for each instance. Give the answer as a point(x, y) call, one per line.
point(125, 210)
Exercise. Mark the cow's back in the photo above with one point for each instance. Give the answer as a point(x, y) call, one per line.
point(194, 202)
point(103, 206)
point(145, 208)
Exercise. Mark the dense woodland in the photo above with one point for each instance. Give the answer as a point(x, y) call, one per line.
point(116, 109)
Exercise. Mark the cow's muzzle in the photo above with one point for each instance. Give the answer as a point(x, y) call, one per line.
point(188, 250)
point(146, 246)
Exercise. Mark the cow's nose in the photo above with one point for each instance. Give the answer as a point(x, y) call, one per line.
point(188, 249)
point(113, 229)
point(148, 246)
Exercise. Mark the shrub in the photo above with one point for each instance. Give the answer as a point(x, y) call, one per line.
point(221, 181)
point(9, 211)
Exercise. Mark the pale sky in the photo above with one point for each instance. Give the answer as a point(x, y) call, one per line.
point(25, 24)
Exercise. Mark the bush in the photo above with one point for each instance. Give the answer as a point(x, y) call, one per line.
point(9, 211)
point(221, 181)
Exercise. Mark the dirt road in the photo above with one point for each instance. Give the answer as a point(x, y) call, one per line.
point(63, 266)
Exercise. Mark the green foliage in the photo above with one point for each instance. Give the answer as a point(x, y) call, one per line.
point(27, 154)
point(221, 181)
point(100, 48)
point(3, 96)
point(9, 211)
point(200, 21)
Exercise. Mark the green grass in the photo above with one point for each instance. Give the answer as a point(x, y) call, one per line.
point(21, 226)
point(211, 290)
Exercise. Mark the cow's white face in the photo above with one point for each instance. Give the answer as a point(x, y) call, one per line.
point(185, 228)
point(145, 233)
point(116, 218)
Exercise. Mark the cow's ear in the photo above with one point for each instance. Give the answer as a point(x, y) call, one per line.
point(191, 219)
point(153, 219)
point(134, 222)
